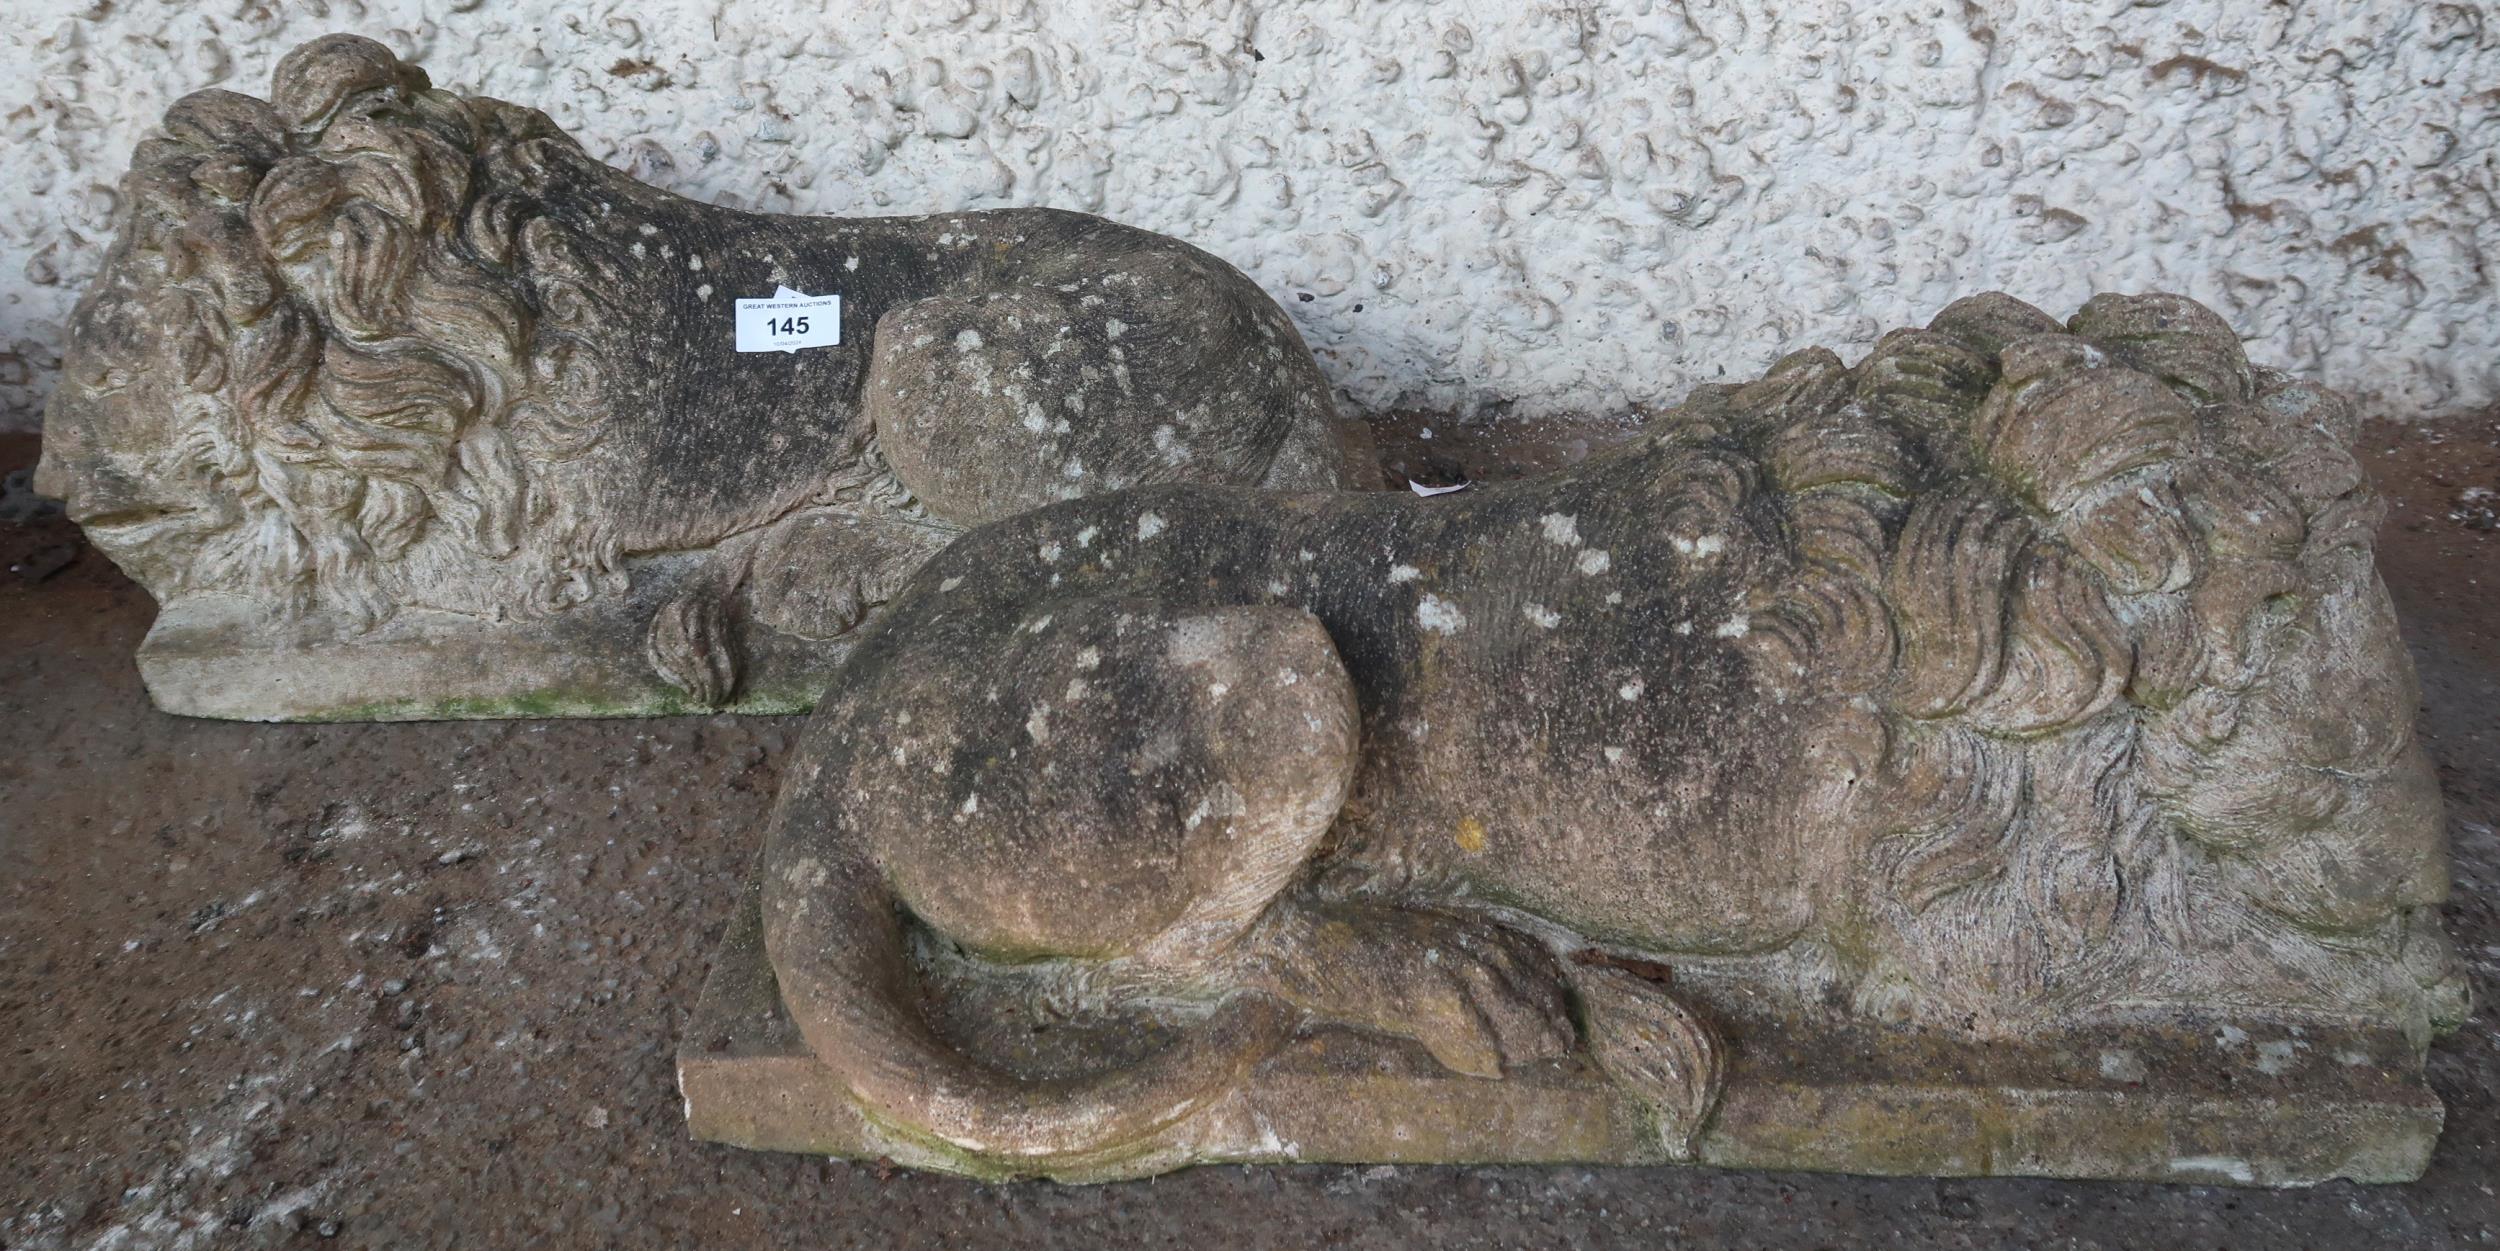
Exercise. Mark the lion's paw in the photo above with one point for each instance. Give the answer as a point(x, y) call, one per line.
point(1481, 998)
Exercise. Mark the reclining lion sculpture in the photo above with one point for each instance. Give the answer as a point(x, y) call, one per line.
point(2015, 715)
point(1994, 756)
point(401, 405)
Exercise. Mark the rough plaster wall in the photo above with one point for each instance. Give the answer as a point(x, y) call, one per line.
point(1563, 206)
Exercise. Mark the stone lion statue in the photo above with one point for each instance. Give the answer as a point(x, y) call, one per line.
point(2020, 680)
point(401, 404)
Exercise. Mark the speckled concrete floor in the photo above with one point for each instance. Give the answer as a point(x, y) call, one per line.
point(418, 985)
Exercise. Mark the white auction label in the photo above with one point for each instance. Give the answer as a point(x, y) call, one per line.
point(789, 320)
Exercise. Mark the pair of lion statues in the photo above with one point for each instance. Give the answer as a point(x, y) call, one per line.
point(2021, 676)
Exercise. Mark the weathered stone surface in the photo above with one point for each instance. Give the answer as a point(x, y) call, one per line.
point(403, 406)
point(1994, 756)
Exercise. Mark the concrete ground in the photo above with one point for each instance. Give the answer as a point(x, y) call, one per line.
point(413, 986)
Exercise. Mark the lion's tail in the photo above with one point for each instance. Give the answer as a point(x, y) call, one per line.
point(835, 936)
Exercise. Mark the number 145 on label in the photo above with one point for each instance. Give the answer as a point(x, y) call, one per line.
point(788, 321)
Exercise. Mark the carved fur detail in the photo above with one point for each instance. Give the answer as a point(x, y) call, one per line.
point(2100, 545)
point(376, 336)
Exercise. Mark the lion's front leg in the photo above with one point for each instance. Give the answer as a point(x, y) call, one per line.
point(1479, 996)
point(817, 573)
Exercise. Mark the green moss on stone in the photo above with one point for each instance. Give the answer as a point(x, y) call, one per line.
point(555, 702)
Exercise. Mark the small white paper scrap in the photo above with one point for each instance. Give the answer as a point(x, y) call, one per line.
point(1420, 489)
point(789, 320)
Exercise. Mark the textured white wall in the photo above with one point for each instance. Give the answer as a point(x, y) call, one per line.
point(1562, 205)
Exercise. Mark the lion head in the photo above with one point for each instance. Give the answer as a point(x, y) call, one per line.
point(332, 337)
point(2119, 670)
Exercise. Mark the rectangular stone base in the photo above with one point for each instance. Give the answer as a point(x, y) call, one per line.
point(211, 657)
point(2261, 1107)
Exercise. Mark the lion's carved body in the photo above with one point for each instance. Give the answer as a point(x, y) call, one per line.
point(2025, 676)
point(370, 348)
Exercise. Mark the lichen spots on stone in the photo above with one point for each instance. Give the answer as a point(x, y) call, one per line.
point(1167, 442)
point(1149, 525)
point(807, 874)
point(1404, 573)
point(1632, 690)
point(1735, 627)
point(1470, 836)
point(1439, 615)
point(1544, 617)
point(2232, 1167)
point(967, 340)
point(949, 584)
point(1561, 529)
point(2122, 1065)
point(1595, 561)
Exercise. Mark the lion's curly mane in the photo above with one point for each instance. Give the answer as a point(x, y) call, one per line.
point(2099, 597)
point(376, 332)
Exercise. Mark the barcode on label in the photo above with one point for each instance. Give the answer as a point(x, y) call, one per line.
point(788, 320)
